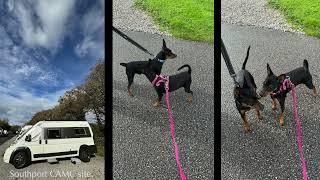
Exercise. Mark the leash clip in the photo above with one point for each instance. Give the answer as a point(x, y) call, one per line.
point(286, 85)
point(161, 78)
point(166, 83)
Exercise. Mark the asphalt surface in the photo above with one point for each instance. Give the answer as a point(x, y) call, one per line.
point(142, 146)
point(5, 138)
point(270, 151)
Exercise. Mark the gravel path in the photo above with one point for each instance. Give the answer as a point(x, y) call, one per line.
point(126, 16)
point(254, 13)
point(43, 170)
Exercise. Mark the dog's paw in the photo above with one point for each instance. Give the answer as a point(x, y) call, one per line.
point(258, 113)
point(130, 93)
point(156, 104)
point(189, 99)
point(314, 92)
point(281, 120)
point(247, 129)
point(274, 107)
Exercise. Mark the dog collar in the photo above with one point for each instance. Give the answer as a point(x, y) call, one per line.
point(161, 61)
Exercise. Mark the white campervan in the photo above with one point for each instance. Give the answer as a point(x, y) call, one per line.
point(25, 128)
point(52, 139)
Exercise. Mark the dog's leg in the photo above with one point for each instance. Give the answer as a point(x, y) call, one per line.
point(310, 85)
point(282, 102)
point(187, 90)
point(245, 121)
point(257, 108)
point(274, 103)
point(157, 101)
point(130, 81)
point(314, 91)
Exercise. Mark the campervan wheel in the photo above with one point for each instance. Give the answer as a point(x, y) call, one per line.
point(84, 154)
point(20, 160)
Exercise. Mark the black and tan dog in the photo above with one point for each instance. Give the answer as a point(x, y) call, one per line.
point(176, 81)
point(245, 94)
point(136, 67)
point(272, 84)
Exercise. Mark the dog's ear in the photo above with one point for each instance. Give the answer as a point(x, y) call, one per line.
point(164, 43)
point(269, 70)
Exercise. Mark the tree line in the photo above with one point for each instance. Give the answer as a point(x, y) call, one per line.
point(88, 97)
point(4, 124)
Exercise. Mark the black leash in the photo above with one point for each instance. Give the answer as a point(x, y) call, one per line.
point(131, 41)
point(228, 63)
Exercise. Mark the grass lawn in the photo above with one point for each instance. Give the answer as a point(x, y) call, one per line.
point(186, 19)
point(302, 14)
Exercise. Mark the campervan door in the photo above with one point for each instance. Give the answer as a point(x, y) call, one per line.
point(65, 138)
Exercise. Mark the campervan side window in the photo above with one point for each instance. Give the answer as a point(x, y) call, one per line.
point(53, 134)
point(67, 132)
point(79, 131)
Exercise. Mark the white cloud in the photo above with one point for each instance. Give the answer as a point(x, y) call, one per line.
point(43, 23)
point(17, 67)
point(102, 4)
point(30, 26)
point(23, 105)
point(92, 43)
point(88, 46)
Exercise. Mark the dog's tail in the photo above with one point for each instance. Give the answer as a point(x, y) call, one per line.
point(186, 65)
point(245, 61)
point(124, 64)
point(306, 65)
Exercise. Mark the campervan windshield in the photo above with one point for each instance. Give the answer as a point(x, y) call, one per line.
point(22, 134)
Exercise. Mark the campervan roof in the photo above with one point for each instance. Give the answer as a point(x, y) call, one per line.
point(63, 123)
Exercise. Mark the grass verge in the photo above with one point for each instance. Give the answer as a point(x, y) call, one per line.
point(186, 19)
point(100, 150)
point(302, 14)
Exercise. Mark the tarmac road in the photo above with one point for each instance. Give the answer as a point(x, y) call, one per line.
point(142, 146)
point(6, 138)
point(270, 151)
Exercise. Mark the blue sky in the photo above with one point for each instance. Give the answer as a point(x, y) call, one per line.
point(46, 48)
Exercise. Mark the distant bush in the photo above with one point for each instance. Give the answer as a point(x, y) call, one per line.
point(98, 133)
point(97, 130)
point(4, 124)
point(14, 128)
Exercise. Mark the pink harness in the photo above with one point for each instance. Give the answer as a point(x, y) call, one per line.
point(156, 82)
point(287, 85)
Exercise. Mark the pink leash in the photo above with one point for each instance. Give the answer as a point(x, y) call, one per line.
point(288, 84)
point(156, 82)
